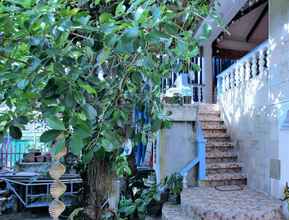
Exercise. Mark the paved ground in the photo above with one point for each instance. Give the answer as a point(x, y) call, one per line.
point(211, 204)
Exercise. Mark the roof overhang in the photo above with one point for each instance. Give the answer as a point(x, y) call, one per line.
point(227, 9)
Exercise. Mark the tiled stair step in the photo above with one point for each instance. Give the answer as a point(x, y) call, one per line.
point(208, 107)
point(217, 156)
point(173, 212)
point(216, 134)
point(205, 118)
point(221, 154)
point(209, 113)
point(229, 167)
point(226, 177)
point(224, 139)
point(219, 144)
point(212, 124)
point(214, 180)
point(212, 127)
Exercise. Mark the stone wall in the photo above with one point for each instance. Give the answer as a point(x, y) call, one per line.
point(256, 112)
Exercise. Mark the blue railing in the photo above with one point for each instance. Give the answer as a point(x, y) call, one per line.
point(200, 161)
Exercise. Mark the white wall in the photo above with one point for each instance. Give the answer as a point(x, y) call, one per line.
point(279, 83)
point(256, 112)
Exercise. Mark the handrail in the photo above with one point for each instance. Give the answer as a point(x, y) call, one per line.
point(245, 58)
point(201, 142)
point(201, 155)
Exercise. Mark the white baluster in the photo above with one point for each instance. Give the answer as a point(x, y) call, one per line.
point(227, 77)
point(267, 51)
point(242, 74)
point(237, 76)
point(247, 70)
point(261, 62)
point(232, 79)
point(254, 65)
point(223, 84)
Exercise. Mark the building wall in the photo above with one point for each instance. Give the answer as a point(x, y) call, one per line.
point(279, 85)
point(256, 112)
point(176, 145)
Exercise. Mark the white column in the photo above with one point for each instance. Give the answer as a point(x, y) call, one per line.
point(207, 73)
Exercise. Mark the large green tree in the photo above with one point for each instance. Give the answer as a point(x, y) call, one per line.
point(83, 66)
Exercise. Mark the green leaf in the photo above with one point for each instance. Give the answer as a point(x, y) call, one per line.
point(88, 88)
point(132, 32)
point(105, 18)
point(15, 132)
point(55, 123)
point(107, 145)
point(25, 3)
point(128, 210)
point(139, 12)
point(49, 135)
point(60, 144)
point(76, 144)
point(90, 112)
point(22, 83)
point(103, 56)
point(96, 2)
point(83, 130)
point(120, 9)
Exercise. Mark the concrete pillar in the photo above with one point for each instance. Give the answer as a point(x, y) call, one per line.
point(207, 73)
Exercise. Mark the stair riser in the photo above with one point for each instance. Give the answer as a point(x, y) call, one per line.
point(214, 131)
point(213, 183)
point(216, 135)
point(209, 114)
point(222, 149)
point(212, 124)
point(210, 119)
point(221, 160)
point(223, 171)
point(209, 108)
point(219, 139)
point(211, 143)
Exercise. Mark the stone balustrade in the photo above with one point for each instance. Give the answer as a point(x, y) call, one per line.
point(255, 64)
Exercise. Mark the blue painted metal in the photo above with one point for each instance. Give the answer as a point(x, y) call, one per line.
point(201, 144)
point(200, 161)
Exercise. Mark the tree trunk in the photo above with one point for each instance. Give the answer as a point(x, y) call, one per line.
point(98, 184)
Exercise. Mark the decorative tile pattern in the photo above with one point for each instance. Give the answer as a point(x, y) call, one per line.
point(210, 204)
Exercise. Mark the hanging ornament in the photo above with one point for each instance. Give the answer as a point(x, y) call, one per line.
point(57, 188)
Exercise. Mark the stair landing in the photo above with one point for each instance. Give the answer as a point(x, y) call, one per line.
point(206, 203)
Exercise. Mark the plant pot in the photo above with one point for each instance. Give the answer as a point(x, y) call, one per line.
point(154, 208)
point(165, 196)
point(174, 199)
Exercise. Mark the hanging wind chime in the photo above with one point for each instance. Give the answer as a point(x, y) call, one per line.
point(57, 169)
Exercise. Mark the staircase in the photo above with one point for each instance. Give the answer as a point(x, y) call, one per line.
point(223, 195)
point(222, 166)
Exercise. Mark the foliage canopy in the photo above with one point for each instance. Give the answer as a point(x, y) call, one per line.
point(83, 66)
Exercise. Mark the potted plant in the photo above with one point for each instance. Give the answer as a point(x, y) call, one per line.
point(286, 201)
point(174, 184)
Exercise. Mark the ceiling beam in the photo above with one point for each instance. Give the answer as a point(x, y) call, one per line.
point(257, 23)
point(229, 54)
point(235, 45)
